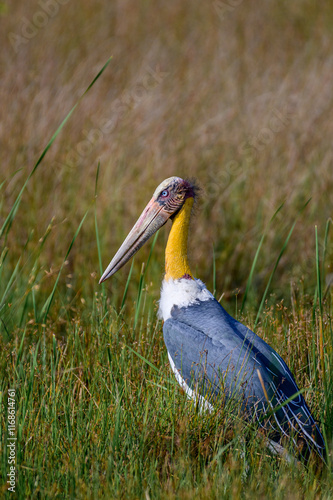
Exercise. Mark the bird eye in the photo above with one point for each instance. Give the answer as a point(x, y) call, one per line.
point(164, 193)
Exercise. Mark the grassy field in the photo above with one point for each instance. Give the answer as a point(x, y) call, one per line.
point(238, 96)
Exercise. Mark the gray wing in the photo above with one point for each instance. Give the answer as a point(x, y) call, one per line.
point(218, 357)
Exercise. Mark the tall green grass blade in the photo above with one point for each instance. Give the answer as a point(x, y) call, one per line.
point(46, 307)
point(214, 273)
point(23, 312)
point(127, 285)
point(319, 287)
point(96, 226)
point(141, 282)
point(5, 329)
point(13, 283)
point(329, 283)
point(327, 227)
point(20, 349)
point(28, 387)
point(151, 252)
point(272, 274)
point(14, 274)
point(34, 304)
point(285, 244)
point(249, 281)
point(139, 295)
point(320, 304)
point(143, 359)
point(277, 408)
point(10, 281)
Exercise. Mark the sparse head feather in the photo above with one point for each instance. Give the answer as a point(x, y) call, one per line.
point(173, 192)
point(197, 190)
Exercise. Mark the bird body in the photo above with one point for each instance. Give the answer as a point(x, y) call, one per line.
point(214, 357)
point(221, 359)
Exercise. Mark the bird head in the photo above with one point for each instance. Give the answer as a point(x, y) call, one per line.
point(167, 200)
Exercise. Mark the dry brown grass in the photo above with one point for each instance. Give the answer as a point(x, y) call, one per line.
point(243, 102)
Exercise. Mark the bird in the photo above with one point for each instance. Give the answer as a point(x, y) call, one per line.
point(214, 357)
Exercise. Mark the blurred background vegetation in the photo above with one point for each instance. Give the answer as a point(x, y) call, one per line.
point(235, 93)
point(238, 96)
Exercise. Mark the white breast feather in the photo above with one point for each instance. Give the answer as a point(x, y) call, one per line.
point(203, 403)
point(181, 293)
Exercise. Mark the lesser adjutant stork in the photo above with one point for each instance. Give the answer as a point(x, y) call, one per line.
point(213, 356)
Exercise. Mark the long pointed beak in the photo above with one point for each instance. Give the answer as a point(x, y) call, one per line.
point(152, 218)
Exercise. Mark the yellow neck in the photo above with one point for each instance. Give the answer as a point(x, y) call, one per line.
point(176, 262)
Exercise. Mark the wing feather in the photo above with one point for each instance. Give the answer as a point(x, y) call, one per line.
point(219, 357)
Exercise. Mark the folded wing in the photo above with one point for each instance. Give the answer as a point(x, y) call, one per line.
point(217, 357)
